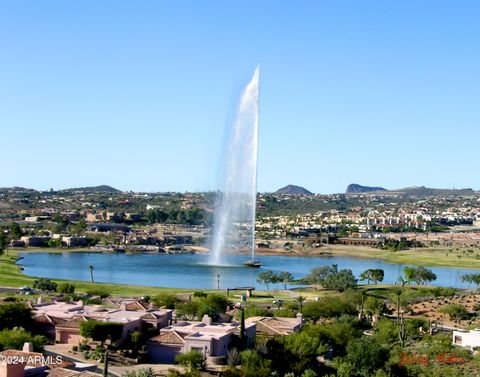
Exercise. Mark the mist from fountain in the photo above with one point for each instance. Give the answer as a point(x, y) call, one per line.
point(234, 221)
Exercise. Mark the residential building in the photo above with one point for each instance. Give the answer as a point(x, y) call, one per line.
point(61, 321)
point(467, 339)
point(272, 326)
point(211, 340)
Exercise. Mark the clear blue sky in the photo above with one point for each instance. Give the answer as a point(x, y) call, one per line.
point(137, 94)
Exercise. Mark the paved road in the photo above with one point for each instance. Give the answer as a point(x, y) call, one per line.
point(9, 290)
point(64, 350)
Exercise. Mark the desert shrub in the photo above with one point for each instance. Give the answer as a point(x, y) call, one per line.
point(454, 311)
point(66, 288)
point(143, 372)
point(192, 361)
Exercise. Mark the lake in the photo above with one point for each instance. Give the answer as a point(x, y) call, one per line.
point(192, 271)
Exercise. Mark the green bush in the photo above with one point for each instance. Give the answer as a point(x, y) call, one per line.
point(16, 338)
point(454, 311)
point(45, 285)
point(143, 372)
point(66, 288)
point(191, 361)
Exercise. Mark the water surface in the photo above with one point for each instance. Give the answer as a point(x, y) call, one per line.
point(193, 271)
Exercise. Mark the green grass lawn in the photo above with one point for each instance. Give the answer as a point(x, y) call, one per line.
point(12, 277)
point(439, 256)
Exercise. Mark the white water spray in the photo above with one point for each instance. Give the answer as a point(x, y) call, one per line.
point(234, 223)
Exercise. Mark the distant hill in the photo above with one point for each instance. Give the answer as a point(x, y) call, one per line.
point(356, 188)
point(15, 188)
point(426, 191)
point(418, 191)
point(293, 190)
point(91, 189)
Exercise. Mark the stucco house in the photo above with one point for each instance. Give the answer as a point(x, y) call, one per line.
point(272, 326)
point(61, 320)
point(468, 339)
point(209, 339)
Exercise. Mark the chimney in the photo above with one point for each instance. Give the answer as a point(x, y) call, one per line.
point(207, 320)
point(27, 347)
point(299, 318)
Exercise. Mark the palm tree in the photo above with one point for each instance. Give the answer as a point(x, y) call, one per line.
point(91, 268)
point(300, 299)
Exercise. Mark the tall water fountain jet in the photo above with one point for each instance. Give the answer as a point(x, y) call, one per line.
point(234, 222)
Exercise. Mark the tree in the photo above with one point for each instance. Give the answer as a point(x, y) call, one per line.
point(45, 285)
point(318, 275)
point(15, 231)
point(15, 315)
point(285, 278)
point(419, 275)
point(166, 300)
point(471, 278)
point(187, 310)
point(330, 277)
point(341, 280)
point(409, 273)
point(3, 241)
point(91, 268)
point(366, 355)
point(136, 338)
point(54, 242)
point(424, 275)
point(300, 299)
point(375, 275)
point(267, 277)
point(374, 305)
point(101, 331)
point(242, 330)
point(328, 307)
point(218, 302)
point(252, 364)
